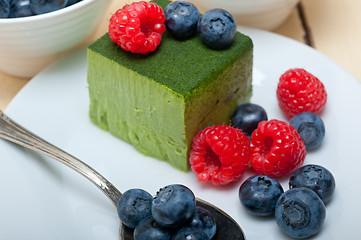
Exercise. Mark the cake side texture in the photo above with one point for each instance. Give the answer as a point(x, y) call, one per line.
point(137, 110)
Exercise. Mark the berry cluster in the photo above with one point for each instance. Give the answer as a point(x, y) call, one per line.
point(171, 214)
point(215, 27)
point(301, 96)
point(300, 212)
point(26, 8)
point(276, 148)
point(138, 27)
point(220, 154)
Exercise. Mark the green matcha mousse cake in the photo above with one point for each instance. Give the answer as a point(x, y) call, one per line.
point(159, 101)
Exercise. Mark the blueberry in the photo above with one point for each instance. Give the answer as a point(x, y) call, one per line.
point(173, 205)
point(149, 229)
point(315, 177)
point(45, 6)
point(133, 206)
point(190, 234)
point(20, 8)
point(204, 221)
point(247, 116)
point(300, 213)
point(217, 28)
point(310, 127)
point(4, 8)
point(259, 195)
point(181, 18)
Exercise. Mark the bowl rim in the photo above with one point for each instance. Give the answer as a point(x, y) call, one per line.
point(48, 15)
point(234, 4)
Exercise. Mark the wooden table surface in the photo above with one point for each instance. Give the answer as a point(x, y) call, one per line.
point(333, 27)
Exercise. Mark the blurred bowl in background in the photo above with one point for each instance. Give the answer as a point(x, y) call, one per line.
point(262, 14)
point(29, 44)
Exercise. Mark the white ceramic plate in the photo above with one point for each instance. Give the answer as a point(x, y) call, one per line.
point(44, 200)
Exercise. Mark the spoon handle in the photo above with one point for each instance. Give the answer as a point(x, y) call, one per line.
point(15, 133)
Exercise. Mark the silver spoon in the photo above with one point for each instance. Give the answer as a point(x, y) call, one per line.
point(227, 228)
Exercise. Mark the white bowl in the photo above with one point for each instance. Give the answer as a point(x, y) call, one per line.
point(29, 44)
point(262, 14)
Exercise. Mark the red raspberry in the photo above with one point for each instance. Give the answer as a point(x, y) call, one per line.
point(219, 154)
point(277, 148)
point(299, 91)
point(137, 27)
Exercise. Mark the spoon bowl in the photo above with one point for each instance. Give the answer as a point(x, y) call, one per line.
point(227, 228)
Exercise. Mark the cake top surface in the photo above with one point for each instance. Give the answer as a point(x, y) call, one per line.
point(181, 66)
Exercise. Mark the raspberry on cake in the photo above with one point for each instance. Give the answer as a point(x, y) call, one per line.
point(137, 27)
point(159, 101)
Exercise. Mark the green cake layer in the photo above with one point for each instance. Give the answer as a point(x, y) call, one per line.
point(159, 101)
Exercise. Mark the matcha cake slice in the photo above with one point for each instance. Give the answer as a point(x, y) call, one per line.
point(158, 102)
